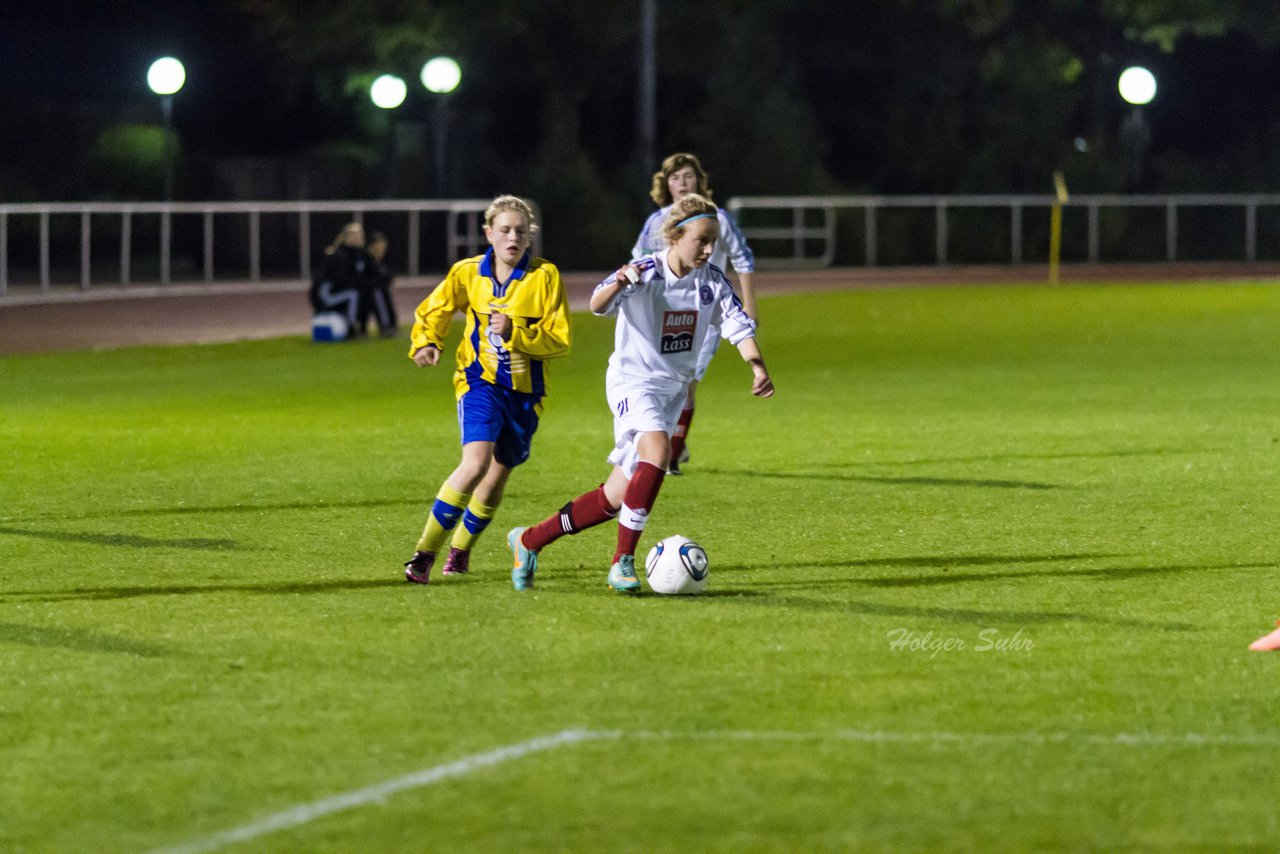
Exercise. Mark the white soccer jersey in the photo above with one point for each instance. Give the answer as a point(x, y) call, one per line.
point(663, 320)
point(731, 248)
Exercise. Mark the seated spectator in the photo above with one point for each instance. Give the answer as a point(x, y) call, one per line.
point(375, 290)
point(336, 286)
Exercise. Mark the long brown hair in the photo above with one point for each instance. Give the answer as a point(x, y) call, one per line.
point(661, 193)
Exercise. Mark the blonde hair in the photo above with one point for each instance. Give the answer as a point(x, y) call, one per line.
point(690, 206)
point(514, 204)
point(342, 237)
point(661, 193)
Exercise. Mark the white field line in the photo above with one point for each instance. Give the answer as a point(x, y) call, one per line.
point(378, 792)
point(1122, 739)
point(373, 794)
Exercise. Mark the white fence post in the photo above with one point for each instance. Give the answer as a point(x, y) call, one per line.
point(1015, 233)
point(207, 222)
point(166, 244)
point(4, 254)
point(255, 246)
point(871, 236)
point(85, 241)
point(1251, 232)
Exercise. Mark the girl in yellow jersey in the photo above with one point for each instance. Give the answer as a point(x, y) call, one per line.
point(517, 317)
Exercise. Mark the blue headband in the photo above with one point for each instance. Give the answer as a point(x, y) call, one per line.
point(695, 216)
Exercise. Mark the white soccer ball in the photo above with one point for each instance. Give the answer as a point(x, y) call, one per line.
point(676, 565)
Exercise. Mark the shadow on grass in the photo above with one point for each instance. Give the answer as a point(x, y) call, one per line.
point(270, 507)
point(1067, 455)
point(945, 560)
point(1115, 573)
point(985, 617)
point(132, 541)
point(77, 639)
point(984, 483)
point(272, 589)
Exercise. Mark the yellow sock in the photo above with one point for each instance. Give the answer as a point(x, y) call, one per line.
point(445, 513)
point(474, 521)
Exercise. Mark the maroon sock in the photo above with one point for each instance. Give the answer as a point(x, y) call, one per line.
point(585, 511)
point(681, 432)
point(637, 501)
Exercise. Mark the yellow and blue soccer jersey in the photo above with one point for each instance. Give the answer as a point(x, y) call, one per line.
point(533, 298)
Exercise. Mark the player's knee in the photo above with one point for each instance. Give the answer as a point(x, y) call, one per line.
point(655, 448)
point(470, 472)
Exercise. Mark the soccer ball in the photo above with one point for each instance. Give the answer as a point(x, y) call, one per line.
point(676, 565)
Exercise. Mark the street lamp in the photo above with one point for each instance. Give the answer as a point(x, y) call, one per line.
point(1137, 86)
point(165, 77)
point(388, 92)
point(441, 76)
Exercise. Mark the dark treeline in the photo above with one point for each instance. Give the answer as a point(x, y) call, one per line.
point(776, 96)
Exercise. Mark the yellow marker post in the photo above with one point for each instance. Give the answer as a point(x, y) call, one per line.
point(1055, 225)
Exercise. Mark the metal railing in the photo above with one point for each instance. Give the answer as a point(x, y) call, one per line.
point(809, 237)
point(816, 244)
point(463, 236)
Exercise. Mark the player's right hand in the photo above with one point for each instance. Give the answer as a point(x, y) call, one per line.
point(427, 356)
point(627, 273)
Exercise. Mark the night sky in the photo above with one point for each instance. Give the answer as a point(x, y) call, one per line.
point(95, 56)
point(91, 58)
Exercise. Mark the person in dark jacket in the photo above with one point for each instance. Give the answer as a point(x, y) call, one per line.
point(336, 287)
point(375, 290)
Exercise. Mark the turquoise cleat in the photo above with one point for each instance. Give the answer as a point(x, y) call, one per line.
point(525, 561)
point(622, 575)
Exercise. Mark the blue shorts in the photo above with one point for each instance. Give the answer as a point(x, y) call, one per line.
point(489, 413)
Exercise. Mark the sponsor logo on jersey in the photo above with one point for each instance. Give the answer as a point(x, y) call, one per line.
point(677, 331)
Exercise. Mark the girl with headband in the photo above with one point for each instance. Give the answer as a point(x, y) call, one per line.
point(665, 302)
point(680, 175)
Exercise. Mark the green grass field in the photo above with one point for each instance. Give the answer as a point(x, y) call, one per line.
point(983, 576)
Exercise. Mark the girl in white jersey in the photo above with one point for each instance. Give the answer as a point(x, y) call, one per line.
point(664, 302)
point(680, 175)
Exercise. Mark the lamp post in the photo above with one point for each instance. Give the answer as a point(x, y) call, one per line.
point(388, 92)
point(441, 76)
point(647, 114)
point(165, 77)
point(1137, 86)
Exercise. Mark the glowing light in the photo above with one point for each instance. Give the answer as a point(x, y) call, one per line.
point(166, 76)
point(1137, 86)
point(388, 91)
point(441, 75)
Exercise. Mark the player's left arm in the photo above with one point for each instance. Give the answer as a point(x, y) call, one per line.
point(740, 331)
point(761, 383)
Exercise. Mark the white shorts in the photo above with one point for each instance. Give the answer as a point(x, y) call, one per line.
point(639, 408)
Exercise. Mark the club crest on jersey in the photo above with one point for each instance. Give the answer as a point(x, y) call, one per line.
point(705, 295)
point(677, 331)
